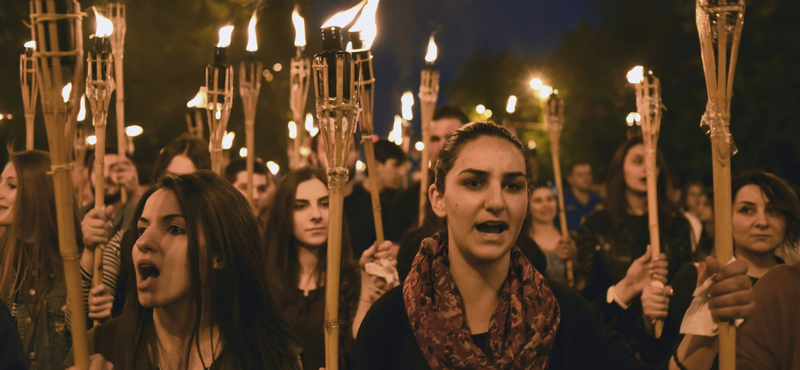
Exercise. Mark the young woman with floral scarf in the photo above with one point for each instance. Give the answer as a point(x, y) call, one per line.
point(473, 301)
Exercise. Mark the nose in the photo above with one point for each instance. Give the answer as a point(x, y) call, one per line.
point(316, 213)
point(761, 219)
point(495, 202)
point(146, 242)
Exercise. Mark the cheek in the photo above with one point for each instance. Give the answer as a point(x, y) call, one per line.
point(779, 226)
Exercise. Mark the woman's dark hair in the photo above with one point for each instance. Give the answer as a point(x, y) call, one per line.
point(29, 248)
point(236, 297)
point(616, 203)
point(782, 196)
point(470, 132)
point(195, 149)
point(283, 266)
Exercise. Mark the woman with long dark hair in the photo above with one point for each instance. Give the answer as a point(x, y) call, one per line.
point(613, 246)
point(198, 297)
point(557, 248)
point(297, 247)
point(32, 281)
point(472, 299)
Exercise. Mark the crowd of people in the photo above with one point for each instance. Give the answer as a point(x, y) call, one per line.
point(195, 276)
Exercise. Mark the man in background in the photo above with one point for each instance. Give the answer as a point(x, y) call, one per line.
point(579, 198)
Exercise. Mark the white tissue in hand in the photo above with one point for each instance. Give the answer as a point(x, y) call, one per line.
point(698, 319)
point(383, 268)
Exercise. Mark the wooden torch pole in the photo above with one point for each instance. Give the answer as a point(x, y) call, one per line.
point(428, 95)
point(337, 111)
point(649, 107)
point(249, 89)
point(116, 12)
point(219, 91)
point(100, 85)
point(59, 37)
point(554, 120)
point(719, 72)
point(365, 81)
point(300, 78)
point(30, 91)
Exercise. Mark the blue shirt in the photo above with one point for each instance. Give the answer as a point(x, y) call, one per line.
point(575, 210)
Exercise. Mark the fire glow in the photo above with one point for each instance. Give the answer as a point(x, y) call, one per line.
point(433, 51)
point(225, 36)
point(299, 28)
point(252, 42)
point(104, 25)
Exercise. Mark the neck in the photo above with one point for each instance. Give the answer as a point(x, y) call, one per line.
point(174, 329)
point(308, 259)
point(540, 227)
point(582, 195)
point(758, 263)
point(637, 202)
point(480, 287)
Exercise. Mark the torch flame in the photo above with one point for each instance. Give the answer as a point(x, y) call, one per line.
point(545, 91)
point(408, 102)
point(342, 19)
point(252, 43)
point(292, 130)
point(273, 167)
point(243, 152)
point(104, 25)
point(309, 122)
point(636, 75)
point(227, 140)
point(225, 36)
point(66, 91)
point(512, 104)
point(299, 28)
point(30, 45)
point(366, 24)
point(82, 112)
point(196, 101)
point(397, 131)
point(433, 51)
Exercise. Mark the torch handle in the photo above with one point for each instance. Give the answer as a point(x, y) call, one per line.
point(652, 210)
point(369, 153)
point(29, 120)
point(723, 240)
point(99, 194)
point(249, 132)
point(562, 214)
point(334, 255)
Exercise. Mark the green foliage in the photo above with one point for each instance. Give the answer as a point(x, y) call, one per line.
point(589, 70)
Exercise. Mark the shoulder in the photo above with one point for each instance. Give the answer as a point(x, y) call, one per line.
point(595, 198)
point(782, 280)
point(387, 315)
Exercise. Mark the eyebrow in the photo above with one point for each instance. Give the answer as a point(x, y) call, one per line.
point(165, 218)
point(486, 174)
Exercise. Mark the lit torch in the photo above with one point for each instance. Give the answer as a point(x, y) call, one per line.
point(428, 95)
point(337, 112)
point(362, 35)
point(30, 90)
point(219, 92)
point(194, 120)
point(249, 88)
point(299, 79)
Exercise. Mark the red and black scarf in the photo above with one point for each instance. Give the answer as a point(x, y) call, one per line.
point(522, 329)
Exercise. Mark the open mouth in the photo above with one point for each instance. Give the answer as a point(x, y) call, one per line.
point(492, 227)
point(147, 271)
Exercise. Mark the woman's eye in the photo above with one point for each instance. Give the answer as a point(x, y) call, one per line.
point(325, 204)
point(299, 206)
point(745, 210)
point(141, 230)
point(514, 186)
point(472, 183)
point(175, 230)
point(12, 186)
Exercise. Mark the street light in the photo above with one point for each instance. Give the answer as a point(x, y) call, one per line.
point(480, 109)
point(511, 106)
point(545, 91)
point(536, 83)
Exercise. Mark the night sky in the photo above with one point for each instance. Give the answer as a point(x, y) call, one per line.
point(526, 28)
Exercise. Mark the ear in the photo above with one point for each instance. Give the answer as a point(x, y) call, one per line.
point(218, 263)
point(437, 201)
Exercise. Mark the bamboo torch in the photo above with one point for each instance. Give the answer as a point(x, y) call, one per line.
point(30, 90)
point(99, 87)
point(56, 28)
point(299, 77)
point(428, 95)
point(719, 25)
point(80, 150)
point(554, 120)
point(194, 119)
point(249, 88)
point(116, 11)
point(648, 104)
point(219, 91)
point(362, 34)
point(337, 111)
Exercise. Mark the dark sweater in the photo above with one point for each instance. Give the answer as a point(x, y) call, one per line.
point(11, 353)
point(386, 341)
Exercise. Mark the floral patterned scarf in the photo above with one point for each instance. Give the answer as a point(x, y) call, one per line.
point(521, 331)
